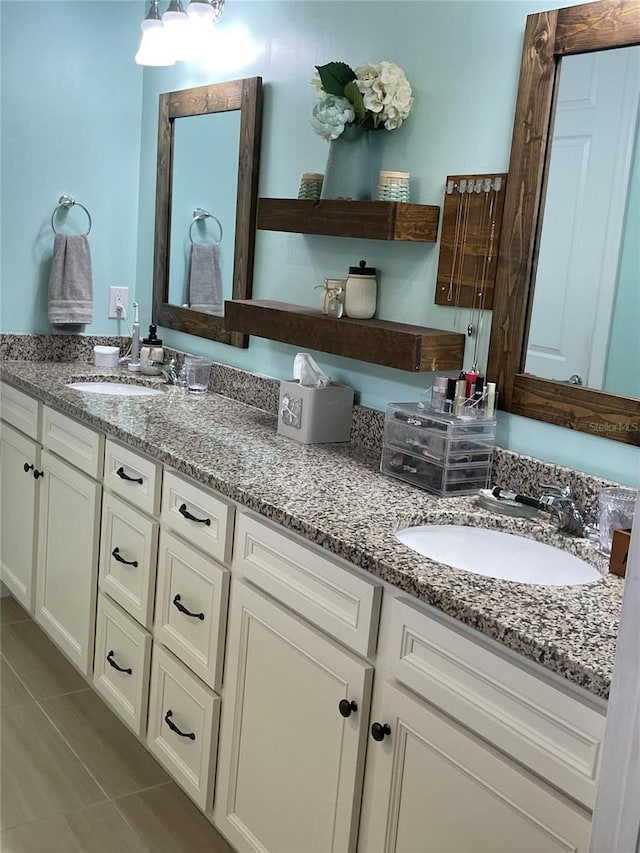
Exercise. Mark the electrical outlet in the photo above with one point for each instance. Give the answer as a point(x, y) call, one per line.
point(118, 296)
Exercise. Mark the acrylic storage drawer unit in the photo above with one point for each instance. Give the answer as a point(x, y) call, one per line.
point(441, 453)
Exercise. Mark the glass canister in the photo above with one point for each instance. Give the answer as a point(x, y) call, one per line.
point(361, 292)
point(151, 353)
point(616, 507)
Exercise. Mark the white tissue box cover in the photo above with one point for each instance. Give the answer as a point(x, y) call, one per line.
point(315, 415)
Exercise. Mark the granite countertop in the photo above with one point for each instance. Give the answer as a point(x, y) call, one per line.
point(335, 496)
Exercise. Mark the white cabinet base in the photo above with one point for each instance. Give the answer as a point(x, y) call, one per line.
point(290, 769)
point(433, 787)
point(19, 492)
point(67, 572)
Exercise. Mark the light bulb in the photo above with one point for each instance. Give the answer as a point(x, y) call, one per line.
point(176, 23)
point(200, 9)
point(155, 48)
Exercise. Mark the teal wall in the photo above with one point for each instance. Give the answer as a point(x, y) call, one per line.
point(70, 123)
point(462, 59)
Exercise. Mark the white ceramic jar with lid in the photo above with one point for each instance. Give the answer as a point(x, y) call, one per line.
point(361, 292)
point(151, 352)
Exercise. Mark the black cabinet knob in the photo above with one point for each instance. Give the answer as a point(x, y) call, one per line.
point(380, 730)
point(346, 707)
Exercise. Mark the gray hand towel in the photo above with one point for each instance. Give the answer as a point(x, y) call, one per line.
point(205, 279)
point(71, 281)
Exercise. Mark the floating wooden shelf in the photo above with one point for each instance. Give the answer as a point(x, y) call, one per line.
point(375, 220)
point(405, 347)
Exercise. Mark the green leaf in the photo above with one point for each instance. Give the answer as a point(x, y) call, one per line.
point(335, 76)
point(353, 94)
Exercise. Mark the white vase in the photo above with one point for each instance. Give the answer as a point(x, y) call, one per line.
point(348, 171)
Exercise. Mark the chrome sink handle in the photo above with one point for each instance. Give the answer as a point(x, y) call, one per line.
point(168, 370)
point(556, 489)
point(566, 514)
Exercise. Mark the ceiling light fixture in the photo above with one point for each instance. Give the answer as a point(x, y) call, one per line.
point(154, 46)
point(177, 34)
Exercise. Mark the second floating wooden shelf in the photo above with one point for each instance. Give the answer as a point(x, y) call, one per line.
point(406, 347)
point(376, 220)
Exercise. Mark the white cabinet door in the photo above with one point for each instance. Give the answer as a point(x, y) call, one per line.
point(19, 490)
point(290, 765)
point(433, 787)
point(66, 583)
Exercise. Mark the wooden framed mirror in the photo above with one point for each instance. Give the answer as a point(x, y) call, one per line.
point(230, 140)
point(549, 36)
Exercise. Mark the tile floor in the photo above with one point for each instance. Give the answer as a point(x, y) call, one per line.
point(73, 777)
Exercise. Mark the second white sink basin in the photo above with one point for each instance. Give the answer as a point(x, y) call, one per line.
point(121, 389)
point(495, 554)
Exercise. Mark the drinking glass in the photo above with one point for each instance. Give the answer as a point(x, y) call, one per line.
point(198, 370)
point(615, 512)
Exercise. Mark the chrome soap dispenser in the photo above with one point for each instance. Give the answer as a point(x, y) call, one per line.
point(151, 352)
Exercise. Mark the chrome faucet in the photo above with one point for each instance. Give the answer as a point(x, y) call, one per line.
point(566, 514)
point(168, 370)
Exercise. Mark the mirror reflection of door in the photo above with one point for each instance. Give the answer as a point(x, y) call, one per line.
point(587, 275)
point(205, 176)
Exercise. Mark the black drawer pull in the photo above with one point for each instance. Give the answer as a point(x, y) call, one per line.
point(182, 509)
point(346, 707)
point(37, 474)
point(174, 728)
point(26, 467)
point(112, 663)
point(123, 476)
point(116, 556)
point(184, 610)
point(380, 730)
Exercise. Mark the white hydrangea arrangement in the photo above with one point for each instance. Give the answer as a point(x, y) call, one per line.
point(373, 97)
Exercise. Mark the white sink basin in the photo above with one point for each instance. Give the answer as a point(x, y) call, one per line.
point(121, 389)
point(495, 554)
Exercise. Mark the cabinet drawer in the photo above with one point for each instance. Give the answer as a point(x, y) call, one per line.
point(546, 729)
point(128, 554)
point(329, 595)
point(191, 607)
point(182, 733)
point(122, 664)
point(203, 519)
point(73, 441)
point(21, 411)
point(133, 476)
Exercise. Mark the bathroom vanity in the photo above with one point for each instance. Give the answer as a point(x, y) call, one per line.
point(241, 603)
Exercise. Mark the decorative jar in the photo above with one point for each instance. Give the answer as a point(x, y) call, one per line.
point(361, 292)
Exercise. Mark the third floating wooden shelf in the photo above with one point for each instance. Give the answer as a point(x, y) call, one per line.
point(406, 347)
point(377, 220)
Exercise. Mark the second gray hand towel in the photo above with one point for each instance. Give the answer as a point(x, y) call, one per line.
point(205, 279)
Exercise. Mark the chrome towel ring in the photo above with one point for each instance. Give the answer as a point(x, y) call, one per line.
point(198, 215)
point(66, 201)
